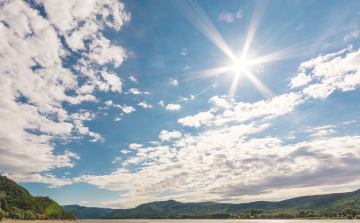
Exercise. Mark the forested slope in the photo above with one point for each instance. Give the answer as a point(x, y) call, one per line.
point(326, 204)
point(18, 203)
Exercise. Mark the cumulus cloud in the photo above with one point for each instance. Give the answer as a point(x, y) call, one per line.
point(300, 80)
point(172, 107)
point(126, 109)
point(174, 82)
point(197, 120)
point(167, 136)
point(224, 112)
point(136, 91)
point(35, 83)
point(335, 71)
point(135, 146)
point(133, 79)
point(144, 104)
point(161, 103)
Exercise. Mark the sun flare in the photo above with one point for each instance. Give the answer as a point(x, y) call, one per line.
point(240, 66)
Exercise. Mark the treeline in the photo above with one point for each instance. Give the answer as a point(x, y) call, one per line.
point(347, 213)
point(17, 203)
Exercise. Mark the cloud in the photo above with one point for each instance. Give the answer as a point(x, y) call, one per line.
point(225, 164)
point(36, 84)
point(300, 80)
point(322, 131)
point(84, 202)
point(225, 112)
point(161, 103)
point(49, 179)
point(167, 136)
point(335, 71)
point(117, 159)
point(117, 119)
point(197, 120)
point(126, 109)
point(108, 103)
point(112, 80)
point(136, 91)
point(172, 107)
point(133, 79)
point(124, 151)
point(353, 34)
point(174, 82)
point(135, 146)
point(144, 105)
point(182, 99)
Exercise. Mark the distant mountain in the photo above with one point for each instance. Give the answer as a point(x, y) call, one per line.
point(165, 209)
point(88, 212)
point(19, 204)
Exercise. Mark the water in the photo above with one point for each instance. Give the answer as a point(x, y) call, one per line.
point(222, 221)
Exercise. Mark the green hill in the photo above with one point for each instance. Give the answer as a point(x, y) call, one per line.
point(18, 203)
point(329, 203)
point(87, 212)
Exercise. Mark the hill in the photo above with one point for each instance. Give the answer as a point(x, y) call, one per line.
point(87, 212)
point(329, 203)
point(18, 203)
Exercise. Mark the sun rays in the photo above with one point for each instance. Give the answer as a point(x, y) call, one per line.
point(194, 13)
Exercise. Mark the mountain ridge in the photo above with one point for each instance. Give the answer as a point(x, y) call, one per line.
point(334, 202)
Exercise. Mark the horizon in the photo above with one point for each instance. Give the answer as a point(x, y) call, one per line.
point(214, 201)
point(114, 103)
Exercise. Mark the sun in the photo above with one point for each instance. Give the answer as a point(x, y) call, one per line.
point(240, 66)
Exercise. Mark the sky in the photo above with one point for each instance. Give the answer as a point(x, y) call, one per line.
point(110, 103)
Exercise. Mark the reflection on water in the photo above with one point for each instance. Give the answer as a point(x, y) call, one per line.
point(221, 221)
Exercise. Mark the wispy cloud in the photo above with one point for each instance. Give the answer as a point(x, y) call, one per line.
point(172, 107)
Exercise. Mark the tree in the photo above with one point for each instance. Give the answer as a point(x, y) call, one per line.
point(2, 215)
point(4, 205)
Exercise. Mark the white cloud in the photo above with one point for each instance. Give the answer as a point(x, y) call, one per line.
point(117, 119)
point(133, 79)
point(108, 103)
point(35, 84)
point(174, 82)
point(124, 151)
point(300, 80)
point(167, 136)
point(112, 80)
point(182, 99)
point(322, 131)
point(172, 107)
point(335, 71)
point(239, 112)
point(135, 146)
point(192, 97)
point(49, 179)
point(218, 163)
point(161, 103)
point(134, 91)
point(197, 120)
point(144, 105)
point(117, 159)
point(126, 109)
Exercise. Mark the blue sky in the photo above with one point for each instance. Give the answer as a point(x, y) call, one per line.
point(114, 104)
